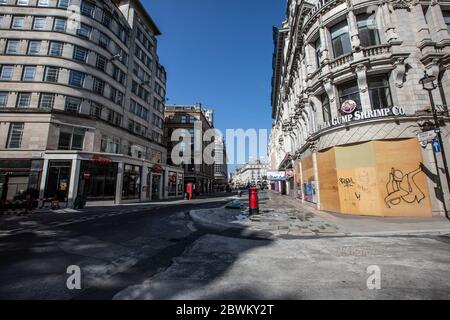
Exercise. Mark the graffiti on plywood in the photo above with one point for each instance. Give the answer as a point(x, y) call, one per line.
point(402, 187)
point(347, 183)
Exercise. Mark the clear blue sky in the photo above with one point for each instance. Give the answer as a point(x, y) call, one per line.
point(219, 52)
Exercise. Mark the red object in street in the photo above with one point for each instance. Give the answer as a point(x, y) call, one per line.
point(190, 190)
point(253, 201)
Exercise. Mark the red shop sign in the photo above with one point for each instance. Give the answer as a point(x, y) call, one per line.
point(157, 169)
point(97, 159)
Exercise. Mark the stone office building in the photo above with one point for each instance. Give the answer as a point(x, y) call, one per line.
point(185, 117)
point(81, 102)
point(348, 106)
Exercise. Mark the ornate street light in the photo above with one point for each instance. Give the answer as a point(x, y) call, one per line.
point(429, 83)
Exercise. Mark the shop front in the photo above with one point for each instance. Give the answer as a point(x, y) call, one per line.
point(98, 179)
point(58, 181)
point(155, 182)
point(380, 178)
point(19, 181)
point(131, 188)
point(309, 183)
point(175, 184)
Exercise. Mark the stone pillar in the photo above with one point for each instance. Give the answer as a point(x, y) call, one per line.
point(74, 178)
point(435, 193)
point(389, 27)
point(360, 70)
point(151, 187)
point(43, 183)
point(313, 148)
point(423, 32)
point(119, 182)
point(333, 96)
point(353, 29)
point(436, 20)
point(300, 167)
point(144, 181)
point(324, 44)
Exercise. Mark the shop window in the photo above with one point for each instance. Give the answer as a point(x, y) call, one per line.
point(340, 39)
point(350, 91)
point(326, 111)
point(172, 184)
point(71, 138)
point(98, 181)
point(131, 182)
point(368, 30)
point(380, 92)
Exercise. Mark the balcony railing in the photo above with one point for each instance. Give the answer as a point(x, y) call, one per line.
point(376, 50)
point(343, 60)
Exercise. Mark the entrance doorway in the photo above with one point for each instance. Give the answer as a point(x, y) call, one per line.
point(58, 180)
point(156, 186)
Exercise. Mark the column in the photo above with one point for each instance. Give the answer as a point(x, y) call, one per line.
point(332, 93)
point(353, 29)
point(43, 183)
point(163, 192)
point(313, 148)
point(144, 175)
point(309, 60)
point(119, 184)
point(431, 169)
point(437, 22)
point(301, 179)
point(389, 28)
point(363, 87)
point(74, 178)
point(151, 187)
point(422, 30)
point(324, 43)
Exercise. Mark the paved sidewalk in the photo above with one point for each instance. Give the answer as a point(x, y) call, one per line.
point(283, 216)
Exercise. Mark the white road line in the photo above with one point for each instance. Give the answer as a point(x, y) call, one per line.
point(191, 227)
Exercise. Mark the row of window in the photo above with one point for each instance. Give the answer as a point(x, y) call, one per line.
point(72, 138)
point(51, 75)
point(87, 8)
point(82, 30)
point(55, 49)
point(40, 3)
point(379, 92)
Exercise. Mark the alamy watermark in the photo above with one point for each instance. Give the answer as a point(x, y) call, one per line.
point(74, 280)
point(195, 146)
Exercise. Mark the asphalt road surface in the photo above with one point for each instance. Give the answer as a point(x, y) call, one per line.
point(157, 252)
point(114, 248)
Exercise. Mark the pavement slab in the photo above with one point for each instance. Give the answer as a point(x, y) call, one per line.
point(216, 267)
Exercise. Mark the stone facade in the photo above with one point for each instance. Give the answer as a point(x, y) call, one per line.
point(346, 73)
point(81, 82)
point(188, 118)
point(253, 172)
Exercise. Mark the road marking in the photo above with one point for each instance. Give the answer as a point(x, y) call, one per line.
point(191, 227)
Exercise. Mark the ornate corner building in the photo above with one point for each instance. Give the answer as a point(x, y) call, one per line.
point(348, 106)
point(82, 98)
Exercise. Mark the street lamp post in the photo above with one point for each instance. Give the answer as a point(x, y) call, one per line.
point(428, 83)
